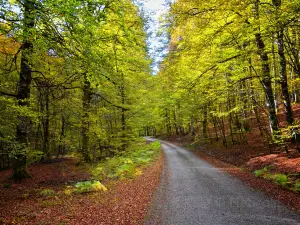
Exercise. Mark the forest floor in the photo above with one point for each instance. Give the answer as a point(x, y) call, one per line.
point(125, 202)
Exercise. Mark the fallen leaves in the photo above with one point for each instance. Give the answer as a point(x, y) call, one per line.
point(125, 201)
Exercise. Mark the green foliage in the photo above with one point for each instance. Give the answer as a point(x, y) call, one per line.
point(261, 172)
point(264, 172)
point(127, 165)
point(89, 186)
point(280, 179)
point(94, 70)
point(6, 185)
point(47, 193)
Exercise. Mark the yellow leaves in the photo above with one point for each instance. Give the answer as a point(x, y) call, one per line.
point(12, 2)
point(89, 186)
point(128, 161)
point(138, 172)
point(99, 187)
point(68, 191)
point(8, 45)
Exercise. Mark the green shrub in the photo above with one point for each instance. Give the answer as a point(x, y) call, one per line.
point(280, 179)
point(47, 193)
point(126, 170)
point(6, 185)
point(89, 186)
point(126, 165)
point(262, 172)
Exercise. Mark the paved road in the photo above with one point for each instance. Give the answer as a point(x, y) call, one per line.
point(194, 192)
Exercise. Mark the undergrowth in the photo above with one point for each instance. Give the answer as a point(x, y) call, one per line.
point(284, 180)
point(129, 163)
point(89, 186)
point(126, 165)
point(47, 193)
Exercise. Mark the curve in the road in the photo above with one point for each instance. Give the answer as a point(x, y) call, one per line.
point(193, 191)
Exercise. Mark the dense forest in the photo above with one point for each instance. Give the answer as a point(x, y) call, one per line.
point(76, 76)
point(73, 79)
point(232, 66)
point(106, 108)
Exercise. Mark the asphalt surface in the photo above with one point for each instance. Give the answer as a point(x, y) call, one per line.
point(193, 191)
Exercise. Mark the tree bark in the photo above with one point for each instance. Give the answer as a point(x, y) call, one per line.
point(283, 79)
point(204, 127)
point(46, 125)
point(123, 116)
point(86, 101)
point(266, 77)
point(23, 127)
point(61, 146)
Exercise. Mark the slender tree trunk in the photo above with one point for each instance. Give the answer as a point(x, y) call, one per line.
point(244, 98)
point(283, 79)
point(123, 121)
point(204, 127)
point(168, 122)
point(266, 77)
point(46, 125)
point(275, 77)
point(215, 128)
point(23, 127)
point(230, 121)
point(294, 52)
point(86, 101)
point(192, 126)
point(61, 147)
point(176, 127)
point(223, 132)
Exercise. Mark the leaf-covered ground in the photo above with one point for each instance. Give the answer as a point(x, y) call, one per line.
point(125, 202)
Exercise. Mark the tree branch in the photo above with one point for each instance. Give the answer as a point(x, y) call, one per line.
point(8, 94)
point(117, 106)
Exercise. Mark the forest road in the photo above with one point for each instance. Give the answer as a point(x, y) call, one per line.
point(193, 191)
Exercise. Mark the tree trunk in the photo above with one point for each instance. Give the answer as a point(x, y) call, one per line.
point(61, 147)
point(168, 123)
point(266, 77)
point(86, 101)
point(275, 77)
point(176, 127)
point(46, 125)
point(215, 128)
point(283, 79)
point(23, 127)
point(123, 115)
point(204, 127)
